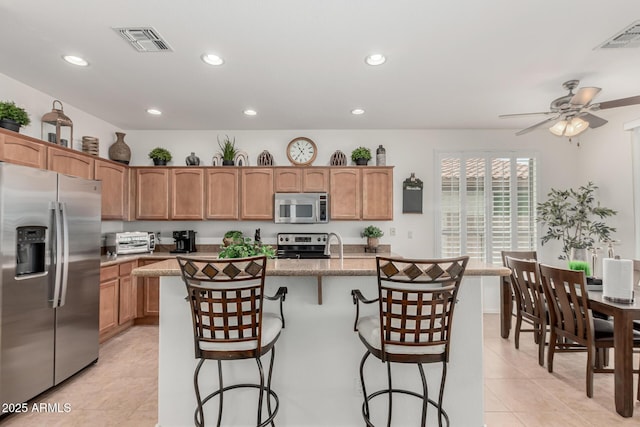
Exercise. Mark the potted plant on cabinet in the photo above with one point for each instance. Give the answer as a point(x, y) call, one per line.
point(373, 234)
point(361, 156)
point(13, 117)
point(160, 156)
point(228, 150)
point(574, 218)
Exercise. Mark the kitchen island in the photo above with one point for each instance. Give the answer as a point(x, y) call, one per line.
point(318, 354)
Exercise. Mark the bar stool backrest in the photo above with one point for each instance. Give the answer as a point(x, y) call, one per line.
point(226, 298)
point(417, 298)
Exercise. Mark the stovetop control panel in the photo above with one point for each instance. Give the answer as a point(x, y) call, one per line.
point(299, 239)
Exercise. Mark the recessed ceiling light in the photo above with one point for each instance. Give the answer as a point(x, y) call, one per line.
point(250, 112)
point(357, 111)
point(375, 59)
point(75, 60)
point(154, 111)
point(212, 59)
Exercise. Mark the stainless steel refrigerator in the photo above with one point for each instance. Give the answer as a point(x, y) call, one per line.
point(50, 281)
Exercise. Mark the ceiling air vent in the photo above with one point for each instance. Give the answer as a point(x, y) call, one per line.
point(144, 39)
point(627, 38)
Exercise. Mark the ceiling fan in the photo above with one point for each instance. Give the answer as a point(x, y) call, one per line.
point(572, 112)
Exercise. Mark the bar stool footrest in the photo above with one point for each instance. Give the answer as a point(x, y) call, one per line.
point(401, 391)
point(272, 413)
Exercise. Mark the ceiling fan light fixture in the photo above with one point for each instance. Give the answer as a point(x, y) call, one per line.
point(558, 128)
point(576, 126)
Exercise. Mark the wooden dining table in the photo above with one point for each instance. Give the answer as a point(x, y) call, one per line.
point(623, 316)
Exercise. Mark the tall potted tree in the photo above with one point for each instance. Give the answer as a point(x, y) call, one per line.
point(576, 219)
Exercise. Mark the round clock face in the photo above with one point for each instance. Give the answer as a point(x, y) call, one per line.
point(302, 151)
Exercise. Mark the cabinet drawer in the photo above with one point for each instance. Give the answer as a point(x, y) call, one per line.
point(126, 267)
point(108, 273)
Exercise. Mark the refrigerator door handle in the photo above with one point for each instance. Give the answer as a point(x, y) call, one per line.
point(65, 254)
point(58, 248)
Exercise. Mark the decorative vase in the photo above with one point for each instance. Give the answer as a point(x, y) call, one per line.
point(362, 162)
point(119, 151)
point(10, 125)
point(579, 260)
point(372, 243)
point(381, 156)
point(192, 160)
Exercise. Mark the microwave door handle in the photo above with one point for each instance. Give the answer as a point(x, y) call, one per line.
point(65, 254)
point(57, 229)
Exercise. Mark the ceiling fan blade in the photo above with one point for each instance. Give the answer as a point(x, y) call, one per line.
point(594, 121)
point(622, 102)
point(506, 116)
point(584, 96)
point(530, 128)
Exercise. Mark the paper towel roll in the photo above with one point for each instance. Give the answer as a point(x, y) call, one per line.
point(617, 279)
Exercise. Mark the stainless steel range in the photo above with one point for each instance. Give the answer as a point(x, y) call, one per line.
point(302, 245)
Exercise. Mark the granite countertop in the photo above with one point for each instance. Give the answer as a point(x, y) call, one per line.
point(351, 266)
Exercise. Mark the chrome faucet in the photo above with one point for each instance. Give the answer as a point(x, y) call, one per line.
point(327, 251)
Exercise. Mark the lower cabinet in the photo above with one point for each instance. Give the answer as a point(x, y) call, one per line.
point(118, 298)
point(148, 304)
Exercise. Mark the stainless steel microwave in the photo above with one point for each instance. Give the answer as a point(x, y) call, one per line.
point(301, 208)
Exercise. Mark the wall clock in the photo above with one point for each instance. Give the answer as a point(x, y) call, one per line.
point(302, 151)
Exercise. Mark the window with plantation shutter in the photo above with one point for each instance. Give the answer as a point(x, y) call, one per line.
point(487, 204)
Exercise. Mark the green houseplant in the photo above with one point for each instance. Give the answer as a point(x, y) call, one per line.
point(246, 248)
point(13, 117)
point(575, 218)
point(160, 156)
point(361, 155)
point(232, 236)
point(373, 234)
point(228, 150)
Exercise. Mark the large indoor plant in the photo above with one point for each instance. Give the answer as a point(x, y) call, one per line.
point(228, 150)
point(576, 219)
point(13, 117)
point(373, 234)
point(160, 156)
point(361, 155)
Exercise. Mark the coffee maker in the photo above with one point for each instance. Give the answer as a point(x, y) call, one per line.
point(185, 242)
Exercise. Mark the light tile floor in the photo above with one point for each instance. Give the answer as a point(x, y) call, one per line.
point(121, 390)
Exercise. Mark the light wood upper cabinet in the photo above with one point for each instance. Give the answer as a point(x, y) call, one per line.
point(222, 192)
point(21, 151)
point(301, 179)
point(377, 193)
point(115, 188)
point(345, 195)
point(187, 193)
point(256, 195)
point(288, 180)
point(315, 180)
point(68, 162)
point(152, 193)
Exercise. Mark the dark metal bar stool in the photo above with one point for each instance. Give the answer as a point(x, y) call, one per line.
point(226, 297)
point(416, 299)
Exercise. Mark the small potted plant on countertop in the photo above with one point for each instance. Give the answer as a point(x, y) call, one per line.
point(13, 117)
point(246, 248)
point(361, 156)
point(373, 234)
point(232, 236)
point(228, 150)
point(160, 156)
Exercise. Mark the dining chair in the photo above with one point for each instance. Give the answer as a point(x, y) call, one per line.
point(416, 301)
point(226, 302)
point(530, 305)
point(571, 321)
point(508, 296)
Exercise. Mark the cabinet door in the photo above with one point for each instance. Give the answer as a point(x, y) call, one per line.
point(377, 193)
point(108, 305)
point(70, 163)
point(345, 193)
point(315, 180)
point(151, 296)
point(152, 193)
point(222, 193)
point(14, 149)
point(187, 190)
point(115, 188)
point(257, 193)
point(288, 180)
point(127, 293)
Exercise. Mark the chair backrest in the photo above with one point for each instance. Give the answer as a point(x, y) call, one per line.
point(530, 255)
point(226, 298)
point(417, 298)
point(567, 298)
point(525, 278)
